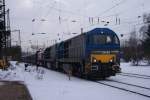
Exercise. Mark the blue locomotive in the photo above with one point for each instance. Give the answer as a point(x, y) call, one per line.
point(93, 54)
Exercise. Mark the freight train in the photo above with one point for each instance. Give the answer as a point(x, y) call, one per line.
point(93, 54)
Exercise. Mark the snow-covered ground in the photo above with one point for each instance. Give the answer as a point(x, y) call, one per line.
point(51, 85)
point(127, 67)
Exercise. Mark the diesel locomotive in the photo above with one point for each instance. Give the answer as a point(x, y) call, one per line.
point(93, 54)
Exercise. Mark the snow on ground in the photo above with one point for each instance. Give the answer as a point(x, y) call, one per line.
point(56, 86)
point(132, 80)
point(127, 67)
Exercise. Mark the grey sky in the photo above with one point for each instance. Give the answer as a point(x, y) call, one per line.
point(74, 14)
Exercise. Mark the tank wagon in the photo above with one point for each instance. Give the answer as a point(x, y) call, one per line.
point(93, 54)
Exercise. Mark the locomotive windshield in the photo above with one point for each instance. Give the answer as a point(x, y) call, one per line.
point(103, 39)
point(116, 40)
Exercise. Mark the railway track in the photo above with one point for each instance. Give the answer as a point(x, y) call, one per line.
point(123, 87)
point(135, 75)
point(130, 84)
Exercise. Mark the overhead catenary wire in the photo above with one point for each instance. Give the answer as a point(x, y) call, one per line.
point(43, 18)
point(109, 9)
point(135, 23)
point(91, 18)
point(99, 19)
point(70, 12)
point(52, 7)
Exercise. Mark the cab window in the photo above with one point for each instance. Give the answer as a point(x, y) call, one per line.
point(116, 40)
point(102, 39)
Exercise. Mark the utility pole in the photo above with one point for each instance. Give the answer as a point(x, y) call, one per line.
point(19, 38)
point(81, 30)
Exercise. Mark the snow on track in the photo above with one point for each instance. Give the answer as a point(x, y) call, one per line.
point(133, 74)
point(131, 87)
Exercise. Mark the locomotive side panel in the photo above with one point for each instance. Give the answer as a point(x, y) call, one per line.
point(53, 52)
point(47, 53)
point(72, 50)
point(76, 47)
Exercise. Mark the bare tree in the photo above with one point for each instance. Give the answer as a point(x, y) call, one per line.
point(145, 33)
point(132, 50)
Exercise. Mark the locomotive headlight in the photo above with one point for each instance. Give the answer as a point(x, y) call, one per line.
point(94, 60)
point(111, 60)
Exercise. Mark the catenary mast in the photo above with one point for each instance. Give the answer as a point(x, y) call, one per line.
point(5, 37)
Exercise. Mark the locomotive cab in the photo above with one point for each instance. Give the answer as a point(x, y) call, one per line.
point(104, 51)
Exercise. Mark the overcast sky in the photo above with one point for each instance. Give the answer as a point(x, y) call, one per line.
point(69, 16)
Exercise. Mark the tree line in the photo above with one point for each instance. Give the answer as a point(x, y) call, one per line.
point(137, 47)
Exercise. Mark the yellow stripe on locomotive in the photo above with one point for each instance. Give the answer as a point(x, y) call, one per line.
point(103, 58)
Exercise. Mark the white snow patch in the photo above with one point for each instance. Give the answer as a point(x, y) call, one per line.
point(127, 67)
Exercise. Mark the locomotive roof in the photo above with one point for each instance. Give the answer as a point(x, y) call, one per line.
point(105, 31)
point(101, 31)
